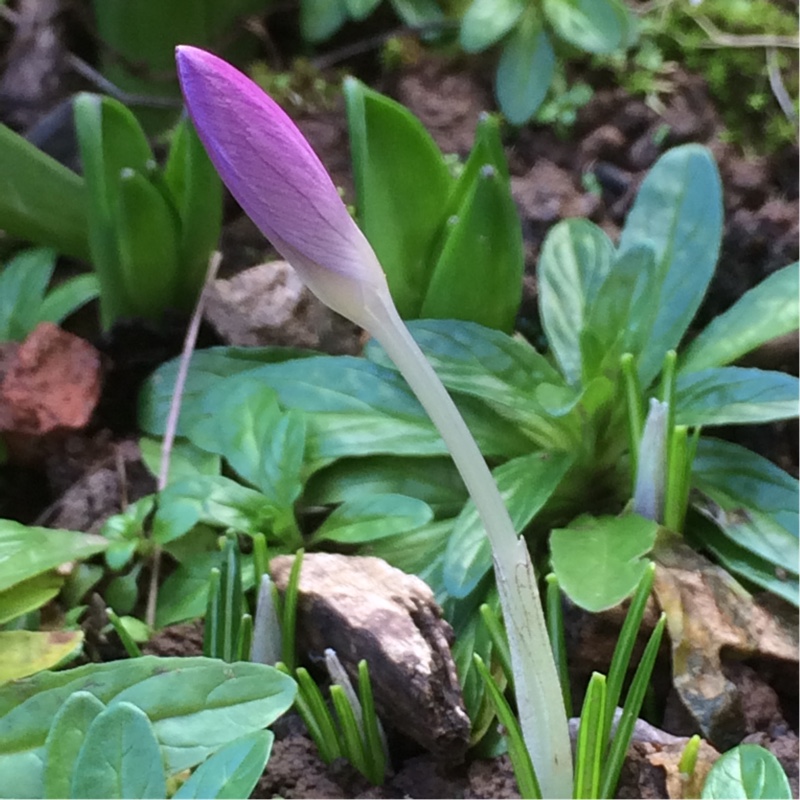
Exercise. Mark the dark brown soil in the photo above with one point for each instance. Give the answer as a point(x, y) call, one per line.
point(82, 478)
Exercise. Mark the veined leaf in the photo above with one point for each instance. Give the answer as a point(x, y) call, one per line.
point(768, 310)
point(734, 395)
point(525, 69)
point(196, 706)
point(678, 214)
point(747, 771)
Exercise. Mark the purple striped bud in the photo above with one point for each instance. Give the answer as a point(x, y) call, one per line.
point(279, 181)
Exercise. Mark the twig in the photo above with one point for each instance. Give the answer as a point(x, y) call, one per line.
point(718, 38)
point(778, 87)
point(171, 427)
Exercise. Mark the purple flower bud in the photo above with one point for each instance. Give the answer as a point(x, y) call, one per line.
point(279, 181)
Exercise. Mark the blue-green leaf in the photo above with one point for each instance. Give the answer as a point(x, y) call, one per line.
point(525, 70)
point(320, 19)
point(678, 214)
point(596, 26)
point(769, 310)
point(751, 500)
point(734, 395)
point(232, 772)
point(120, 757)
point(487, 21)
point(373, 517)
point(748, 772)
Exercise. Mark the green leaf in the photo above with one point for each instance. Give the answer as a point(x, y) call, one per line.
point(575, 261)
point(751, 500)
point(433, 480)
point(196, 190)
point(263, 444)
point(591, 744)
point(599, 561)
point(525, 70)
point(678, 214)
point(196, 706)
point(368, 518)
point(417, 552)
point(734, 395)
point(24, 653)
point(28, 595)
point(207, 370)
point(320, 19)
point(68, 297)
point(211, 500)
point(393, 157)
point(747, 771)
point(185, 460)
point(119, 757)
point(417, 13)
point(64, 741)
point(23, 283)
point(41, 200)
point(184, 594)
point(769, 310)
point(596, 26)
point(110, 140)
point(502, 372)
point(704, 534)
point(478, 276)
point(487, 21)
point(147, 234)
point(28, 551)
point(525, 484)
point(232, 772)
point(360, 9)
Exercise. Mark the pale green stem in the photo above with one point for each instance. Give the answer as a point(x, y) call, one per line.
point(538, 691)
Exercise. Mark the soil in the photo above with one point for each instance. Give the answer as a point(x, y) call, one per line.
point(83, 473)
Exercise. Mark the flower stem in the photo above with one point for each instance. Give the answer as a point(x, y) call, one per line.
point(538, 690)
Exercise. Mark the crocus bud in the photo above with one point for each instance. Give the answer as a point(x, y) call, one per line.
point(279, 181)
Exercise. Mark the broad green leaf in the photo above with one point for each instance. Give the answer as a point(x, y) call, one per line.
point(417, 13)
point(525, 70)
point(64, 741)
point(751, 500)
point(596, 26)
point(433, 480)
point(196, 706)
point(502, 372)
point(678, 214)
point(748, 771)
point(575, 262)
point(487, 21)
point(263, 444)
point(734, 395)
point(393, 156)
point(185, 460)
point(24, 653)
point(28, 551)
point(320, 19)
point(207, 369)
point(232, 772)
point(369, 518)
point(769, 310)
point(417, 552)
point(41, 200)
point(525, 484)
point(120, 757)
point(211, 500)
point(184, 594)
point(478, 276)
point(125, 530)
point(599, 561)
point(704, 534)
point(28, 595)
point(360, 9)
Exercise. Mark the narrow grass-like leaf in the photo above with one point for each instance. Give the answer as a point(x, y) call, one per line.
point(289, 612)
point(499, 642)
point(630, 712)
point(348, 725)
point(590, 747)
point(374, 742)
point(557, 633)
point(131, 648)
point(319, 721)
point(527, 783)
